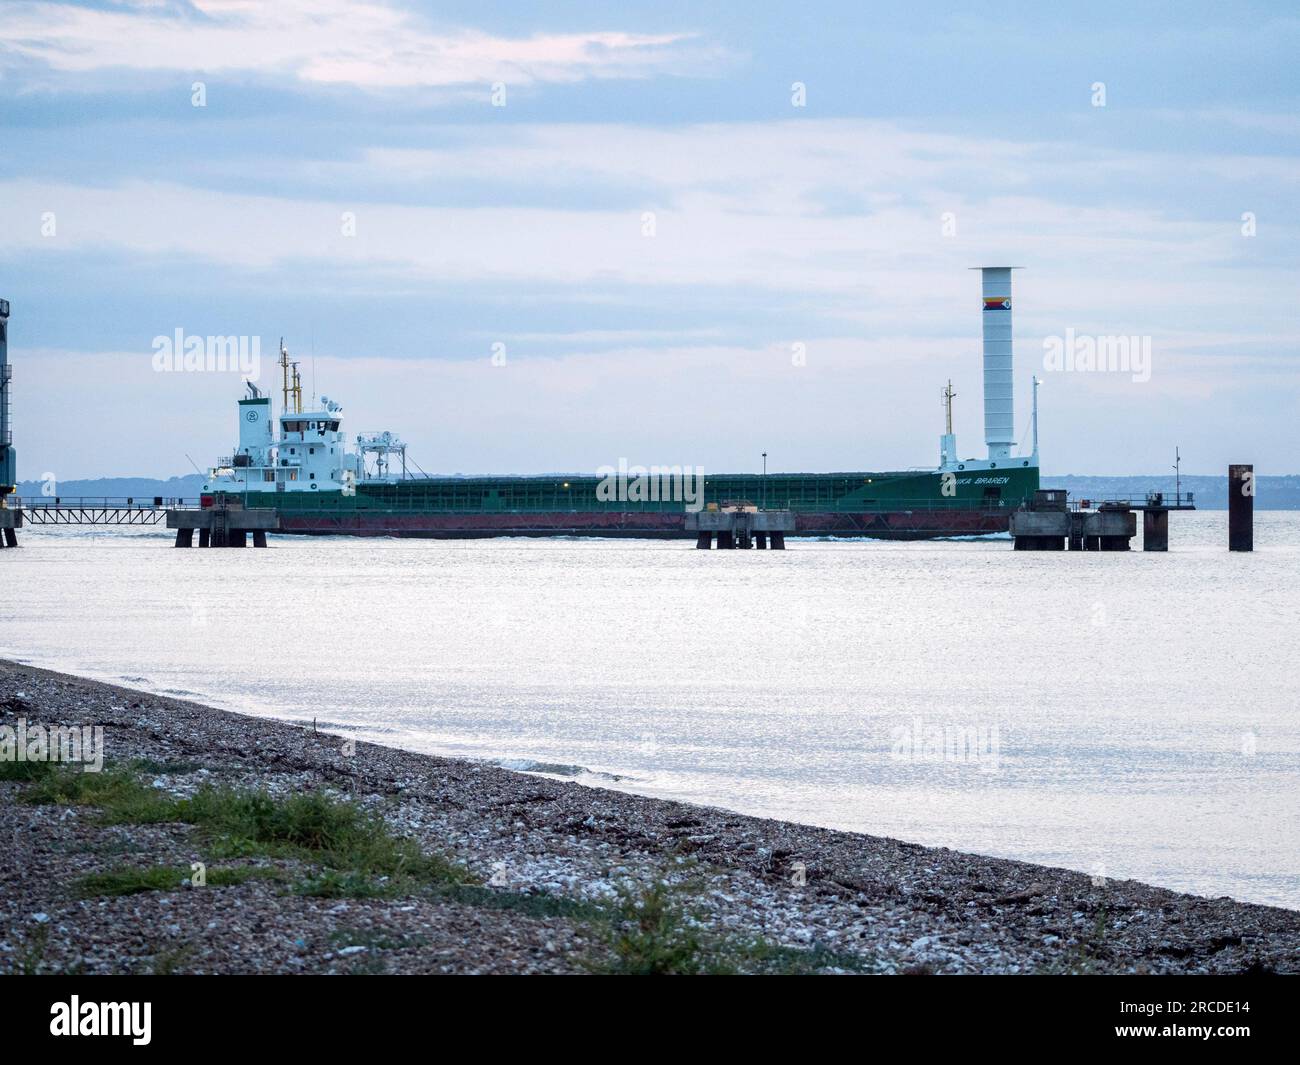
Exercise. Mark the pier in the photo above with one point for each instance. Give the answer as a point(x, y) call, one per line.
point(228, 526)
point(1052, 521)
point(10, 522)
point(217, 526)
point(18, 511)
point(94, 510)
point(740, 526)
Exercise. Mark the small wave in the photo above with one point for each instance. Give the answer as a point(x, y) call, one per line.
point(337, 726)
point(553, 769)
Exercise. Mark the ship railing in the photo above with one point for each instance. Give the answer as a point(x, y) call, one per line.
point(101, 502)
point(1167, 500)
point(420, 503)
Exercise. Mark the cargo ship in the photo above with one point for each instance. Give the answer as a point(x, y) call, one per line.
point(318, 485)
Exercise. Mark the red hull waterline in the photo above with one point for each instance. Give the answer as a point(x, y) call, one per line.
point(889, 525)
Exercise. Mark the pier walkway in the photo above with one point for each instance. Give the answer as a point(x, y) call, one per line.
point(217, 526)
point(95, 510)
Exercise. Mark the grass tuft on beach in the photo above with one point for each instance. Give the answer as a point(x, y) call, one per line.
point(117, 791)
point(651, 934)
point(12, 771)
point(361, 856)
point(130, 880)
point(352, 853)
point(653, 931)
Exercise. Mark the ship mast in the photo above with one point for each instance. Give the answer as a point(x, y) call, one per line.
point(291, 383)
point(1037, 382)
point(284, 373)
point(948, 442)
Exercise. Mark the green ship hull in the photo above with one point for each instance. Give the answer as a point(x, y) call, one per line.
point(891, 505)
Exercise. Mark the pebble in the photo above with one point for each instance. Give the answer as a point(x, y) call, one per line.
point(883, 901)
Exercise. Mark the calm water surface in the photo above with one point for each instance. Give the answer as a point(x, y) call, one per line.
point(1130, 715)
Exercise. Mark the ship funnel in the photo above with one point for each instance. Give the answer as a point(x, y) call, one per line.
point(999, 399)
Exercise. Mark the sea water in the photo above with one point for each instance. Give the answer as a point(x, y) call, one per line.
point(1129, 715)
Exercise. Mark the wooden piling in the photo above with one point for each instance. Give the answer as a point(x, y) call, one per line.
point(205, 537)
point(704, 541)
point(1241, 507)
point(259, 537)
point(184, 537)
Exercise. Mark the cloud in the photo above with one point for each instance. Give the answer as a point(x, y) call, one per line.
point(741, 204)
point(329, 42)
point(817, 229)
point(702, 239)
point(1282, 125)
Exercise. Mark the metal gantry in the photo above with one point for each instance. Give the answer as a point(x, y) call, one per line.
point(96, 510)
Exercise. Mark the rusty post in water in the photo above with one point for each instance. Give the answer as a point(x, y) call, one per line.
point(1241, 507)
point(1155, 530)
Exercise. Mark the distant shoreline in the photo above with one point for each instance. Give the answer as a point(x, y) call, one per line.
point(542, 858)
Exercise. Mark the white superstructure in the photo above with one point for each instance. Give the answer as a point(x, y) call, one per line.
point(310, 453)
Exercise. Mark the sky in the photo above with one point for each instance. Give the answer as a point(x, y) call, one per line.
point(545, 239)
